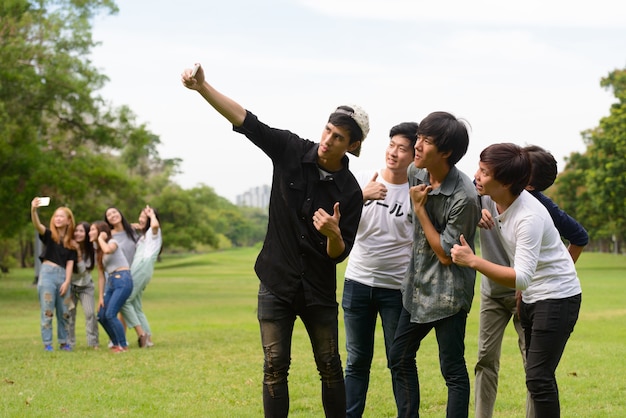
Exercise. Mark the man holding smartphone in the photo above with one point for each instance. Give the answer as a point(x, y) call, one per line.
point(314, 211)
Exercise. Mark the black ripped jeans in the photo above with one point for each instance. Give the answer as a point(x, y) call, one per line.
point(276, 319)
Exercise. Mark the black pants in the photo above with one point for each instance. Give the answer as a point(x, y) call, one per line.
point(547, 326)
point(276, 319)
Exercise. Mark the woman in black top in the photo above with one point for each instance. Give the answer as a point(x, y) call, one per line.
point(55, 276)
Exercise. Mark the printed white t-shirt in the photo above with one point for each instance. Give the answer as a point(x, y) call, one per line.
point(382, 247)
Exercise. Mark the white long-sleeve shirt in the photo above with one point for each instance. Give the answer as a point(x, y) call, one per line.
point(543, 267)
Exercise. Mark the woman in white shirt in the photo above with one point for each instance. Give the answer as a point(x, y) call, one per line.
point(541, 267)
point(148, 249)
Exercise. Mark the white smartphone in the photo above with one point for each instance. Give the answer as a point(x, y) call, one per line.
point(195, 70)
point(44, 201)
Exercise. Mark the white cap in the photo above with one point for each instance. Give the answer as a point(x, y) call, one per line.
point(362, 120)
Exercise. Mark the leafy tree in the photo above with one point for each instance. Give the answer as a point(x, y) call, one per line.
point(607, 154)
point(256, 225)
point(184, 219)
point(48, 114)
point(58, 138)
point(593, 185)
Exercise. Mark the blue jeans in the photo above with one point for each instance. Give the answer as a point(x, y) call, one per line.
point(276, 320)
point(547, 326)
point(49, 287)
point(118, 288)
point(361, 305)
point(450, 334)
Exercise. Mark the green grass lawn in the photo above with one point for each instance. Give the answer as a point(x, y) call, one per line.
point(207, 360)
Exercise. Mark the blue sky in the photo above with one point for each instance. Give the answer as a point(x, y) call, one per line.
point(527, 72)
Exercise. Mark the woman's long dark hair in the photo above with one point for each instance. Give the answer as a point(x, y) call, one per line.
point(101, 226)
point(129, 229)
point(86, 248)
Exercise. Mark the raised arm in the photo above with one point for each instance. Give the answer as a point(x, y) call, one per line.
point(225, 106)
point(34, 217)
point(107, 247)
point(154, 222)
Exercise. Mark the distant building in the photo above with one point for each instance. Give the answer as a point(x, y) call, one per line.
point(256, 197)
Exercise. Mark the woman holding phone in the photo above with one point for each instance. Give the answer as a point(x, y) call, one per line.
point(55, 275)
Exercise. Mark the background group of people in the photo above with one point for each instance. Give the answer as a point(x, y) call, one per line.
point(409, 229)
point(123, 255)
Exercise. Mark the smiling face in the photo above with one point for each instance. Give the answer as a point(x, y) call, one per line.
point(114, 217)
point(60, 219)
point(143, 219)
point(93, 233)
point(399, 154)
point(80, 234)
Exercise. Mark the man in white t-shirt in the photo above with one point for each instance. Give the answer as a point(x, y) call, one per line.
point(378, 262)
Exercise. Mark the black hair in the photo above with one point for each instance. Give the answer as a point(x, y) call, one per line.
point(129, 229)
point(407, 130)
point(543, 168)
point(346, 121)
point(87, 248)
point(448, 134)
point(101, 226)
point(509, 164)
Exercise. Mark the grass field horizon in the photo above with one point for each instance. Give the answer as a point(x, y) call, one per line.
point(207, 360)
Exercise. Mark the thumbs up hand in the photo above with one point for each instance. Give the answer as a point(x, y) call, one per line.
point(374, 190)
point(325, 223)
point(462, 254)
